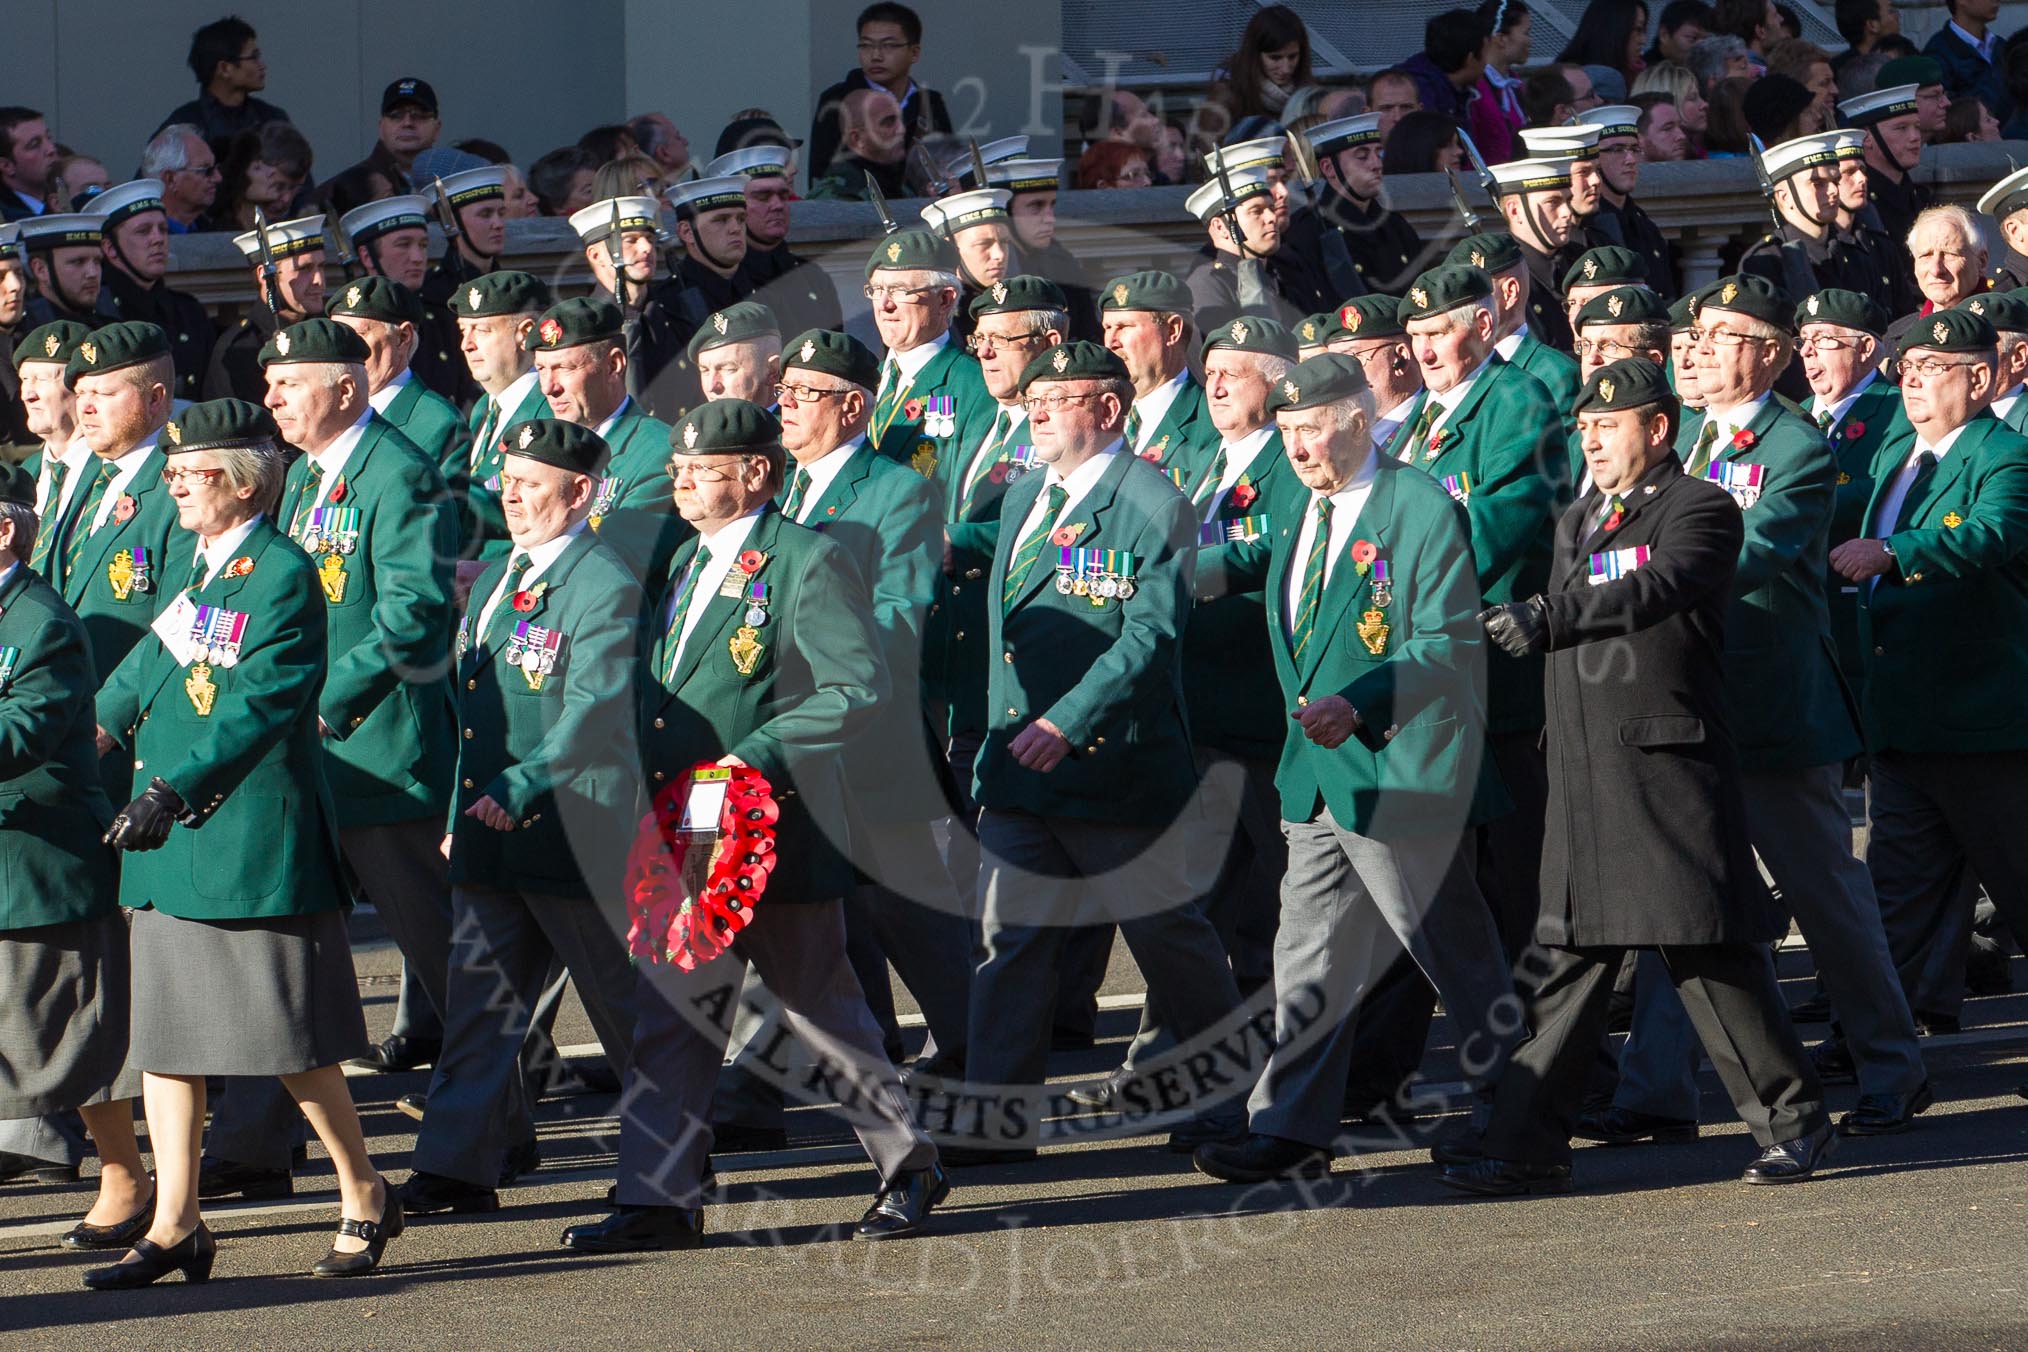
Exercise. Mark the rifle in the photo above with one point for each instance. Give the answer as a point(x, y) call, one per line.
point(616, 256)
point(336, 226)
point(1470, 217)
point(1305, 162)
point(1487, 183)
point(879, 200)
point(1798, 276)
point(271, 276)
point(447, 216)
point(1767, 187)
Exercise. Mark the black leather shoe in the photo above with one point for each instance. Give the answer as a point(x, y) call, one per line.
point(375, 1233)
point(1833, 1060)
point(1259, 1157)
point(1487, 1177)
point(639, 1229)
point(1886, 1114)
point(27, 1169)
point(521, 1160)
point(732, 1138)
point(1792, 1161)
point(427, 1194)
point(1101, 1096)
point(412, 1105)
point(1931, 1025)
point(224, 1178)
point(119, 1235)
point(1816, 1009)
point(192, 1257)
point(1185, 1139)
point(398, 1053)
point(967, 1156)
point(1624, 1126)
point(901, 1206)
point(1456, 1150)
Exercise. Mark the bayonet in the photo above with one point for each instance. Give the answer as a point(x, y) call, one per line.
point(616, 256)
point(934, 184)
point(271, 276)
point(1465, 212)
point(447, 215)
point(1486, 180)
point(978, 164)
point(336, 225)
point(879, 200)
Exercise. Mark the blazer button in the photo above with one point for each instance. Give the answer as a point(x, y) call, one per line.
point(357, 721)
point(139, 766)
point(470, 785)
point(1915, 577)
point(1091, 751)
point(972, 575)
point(1013, 713)
point(468, 734)
point(658, 776)
point(1008, 658)
point(960, 634)
point(1880, 652)
point(1301, 701)
point(658, 723)
point(471, 685)
point(1101, 741)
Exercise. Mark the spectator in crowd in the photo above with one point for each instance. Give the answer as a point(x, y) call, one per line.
point(1609, 33)
point(1608, 85)
point(890, 44)
point(1969, 51)
point(1547, 98)
point(1422, 143)
point(2015, 62)
point(520, 198)
point(1863, 23)
point(1810, 66)
point(1779, 109)
point(1931, 102)
point(1790, 21)
point(492, 152)
point(1392, 94)
point(1720, 57)
point(610, 142)
point(1753, 22)
point(184, 161)
point(1172, 163)
point(82, 177)
point(264, 168)
point(1496, 113)
point(1970, 120)
point(627, 176)
point(1313, 104)
point(875, 146)
point(659, 140)
point(1726, 127)
point(409, 123)
point(1449, 65)
point(1273, 61)
point(1683, 24)
point(1113, 164)
point(1663, 135)
point(562, 180)
point(1861, 75)
point(1683, 90)
point(225, 56)
point(27, 153)
point(1125, 116)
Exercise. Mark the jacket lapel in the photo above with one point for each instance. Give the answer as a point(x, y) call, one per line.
point(1770, 413)
point(1347, 589)
point(402, 406)
point(718, 621)
point(1455, 425)
point(1089, 513)
point(1399, 441)
point(843, 489)
point(1931, 487)
point(1592, 537)
point(551, 580)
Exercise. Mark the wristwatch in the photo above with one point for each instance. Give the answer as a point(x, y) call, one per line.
point(1887, 549)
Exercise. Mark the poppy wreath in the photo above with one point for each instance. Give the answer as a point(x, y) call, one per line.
point(685, 904)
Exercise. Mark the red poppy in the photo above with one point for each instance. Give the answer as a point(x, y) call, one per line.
point(751, 560)
point(1243, 494)
point(912, 410)
point(523, 601)
point(1152, 456)
point(123, 510)
point(337, 490)
point(1063, 537)
point(1618, 515)
point(1854, 430)
point(1742, 439)
point(1363, 551)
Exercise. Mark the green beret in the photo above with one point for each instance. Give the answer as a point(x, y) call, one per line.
point(1632, 382)
point(1150, 290)
point(380, 298)
point(1019, 293)
point(1318, 329)
point(910, 251)
point(726, 427)
point(1746, 294)
point(313, 340)
point(573, 323)
point(835, 354)
point(17, 486)
point(2005, 311)
point(1374, 316)
point(501, 293)
point(1955, 330)
point(1493, 251)
point(1623, 305)
point(551, 441)
point(1683, 314)
point(131, 342)
point(1076, 360)
point(1252, 334)
point(1444, 288)
point(741, 322)
point(1848, 309)
point(1607, 265)
point(218, 423)
point(1906, 70)
point(1324, 379)
point(51, 342)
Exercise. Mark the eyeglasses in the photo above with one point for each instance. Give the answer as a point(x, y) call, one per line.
point(1721, 337)
point(201, 170)
point(1808, 344)
point(1610, 348)
point(882, 47)
point(987, 342)
point(1929, 368)
point(678, 466)
point(1053, 404)
point(176, 474)
point(803, 394)
point(902, 295)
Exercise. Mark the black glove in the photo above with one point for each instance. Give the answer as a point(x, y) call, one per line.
point(144, 823)
point(1519, 627)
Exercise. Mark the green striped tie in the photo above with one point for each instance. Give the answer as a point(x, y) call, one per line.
point(516, 566)
point(1431, 411)
point(672, 639)
point(1313, 578)
point(1824, 419)
point(482, 449)
point(1207, 488)
point(1031, 546)
point(883, 401)
point(989, 453)
point(793, 508)
point(1132, 431)
point(46, 538)
point(306, 497)
point(1701, 457)
point(79, 527)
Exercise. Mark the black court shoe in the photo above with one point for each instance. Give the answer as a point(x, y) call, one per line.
point(375, 1233)
point(151, 1263)
point(119, 1235)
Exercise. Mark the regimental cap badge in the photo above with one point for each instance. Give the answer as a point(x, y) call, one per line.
point(472, 298)
point(175, 434)
point(90, 352)
point(1238, 331)
point(1309, 330)
point(1120, 294)
point(282, 342)
point(51, 344)
point(1353, 317)
point(352, 296)
point(1289, 389)
point(999, 293)
point(1942, 330)
point(894, 252)
point(718, 321)
point(1061, 360)
point(1615, 304)
point(552, 332)
point(690, 436)
point(1811, 304)
point(527, 434)
point(1730, 290)
point(1605, 390)
point(808, 350)
point(1590, 268)
point(1478, 258)
point(1420, 297)
point(1977, 307)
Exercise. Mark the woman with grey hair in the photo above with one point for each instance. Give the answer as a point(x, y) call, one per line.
point(240, 959)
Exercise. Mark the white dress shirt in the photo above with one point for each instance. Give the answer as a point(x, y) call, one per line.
point(1016, 416)
point(912, 361)
point(509, 399)
point(333, 458)
point(725, 545)
point(540, 557)
point(219, 552)
point(1156, 405)
point(124, 470)
point(1451, 398)
point(1730, 422)
point(1897, 493)
point(79, 464)
point(1839, 409)
point(626, 402)
point(1511, 344)
point(389, 392)
point(1388, 423)
point(822, 471)
point(1078, 483)
point(1345, 507)
point(1239, 458)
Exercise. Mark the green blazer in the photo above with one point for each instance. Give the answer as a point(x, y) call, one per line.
point(1183, 442)
point(1946, 632)
point(116, 622)
point(1559, 374)
point(955, 655)
point(252, 769)
point(1418, 763)
point(1788, 707)
point(1229, 684)
point(815, 687)
point(899, 430)
point(1506, 438)
point(886, 520)
point(52, 811)
point(1874, 420)
point(387, 593)
point(434, 424)
point(555, 750)
point(484, 528)
point(635, 511)
point(1108, 674)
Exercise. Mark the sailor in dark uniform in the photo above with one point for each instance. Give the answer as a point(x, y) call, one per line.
point(1535, 197)
point(134, 238)
point(796, 290)
point(1384, 250)
point(297, 248)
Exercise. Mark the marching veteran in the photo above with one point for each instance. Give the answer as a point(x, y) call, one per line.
point(390, 317)
point(759, 652)
point(232, 872)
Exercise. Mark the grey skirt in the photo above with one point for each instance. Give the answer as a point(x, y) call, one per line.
point(244, 997)
point(63, 1022)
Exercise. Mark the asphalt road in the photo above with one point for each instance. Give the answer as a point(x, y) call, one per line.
point(1914, 1241)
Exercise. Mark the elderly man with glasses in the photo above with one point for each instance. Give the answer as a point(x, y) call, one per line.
point(931, 398)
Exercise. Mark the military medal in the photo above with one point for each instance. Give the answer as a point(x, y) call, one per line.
point(198, 685)
point(1742, 481)
point(745, 647)
point(9, 659)
point(331, 573)
point(464, 635)
point(1383, 586)
point(757, 599)
point(216, 634)
point(1015, 461)
point(1240, 530)
point(534, 651)
point(1616, 563)
point(609, 493)
point(1458, 486)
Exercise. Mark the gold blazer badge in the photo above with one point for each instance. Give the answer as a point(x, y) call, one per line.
point(198, 685)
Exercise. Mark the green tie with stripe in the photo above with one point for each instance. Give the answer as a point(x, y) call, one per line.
point(672, 638)
point(1031, 546)
point(1208, 487)
point(306, 497)
point(79, 528)
point(1701, 457)
point(1431, 411)
point(1132, 431)
point(47, 538)
point(800, 485)
point(516, 566)
point(1313, 579)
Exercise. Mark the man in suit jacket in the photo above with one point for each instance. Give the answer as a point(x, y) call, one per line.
point(1085, 779)
point(1644, 784)
point(495, 313)
point(1941, 582)
point(1500, 256)
point(390, 317)
point(1146, 320)
point(763, 655)
point(1794, 725)
point(61, 468)
point(931, 402)
point(1371, 595)
point(1534, 196)
point(543, 808)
